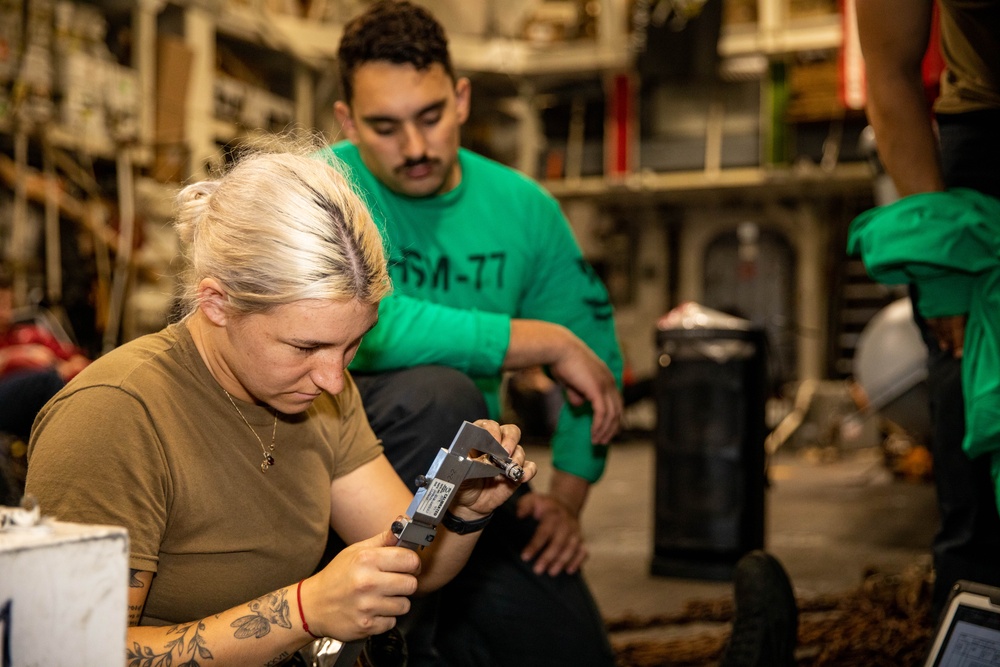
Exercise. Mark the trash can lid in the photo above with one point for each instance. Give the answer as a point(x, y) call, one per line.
point(690, 315)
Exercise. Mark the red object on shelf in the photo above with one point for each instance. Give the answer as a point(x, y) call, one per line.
point(619, 131)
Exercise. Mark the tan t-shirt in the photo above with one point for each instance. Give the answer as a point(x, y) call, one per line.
point(970, 44)
point(145, 438)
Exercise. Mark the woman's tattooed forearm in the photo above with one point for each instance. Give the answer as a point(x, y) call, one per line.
point(267, 610)
point(134, 610)
point(188, 649)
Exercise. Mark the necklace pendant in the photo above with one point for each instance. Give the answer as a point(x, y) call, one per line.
point(268, 459)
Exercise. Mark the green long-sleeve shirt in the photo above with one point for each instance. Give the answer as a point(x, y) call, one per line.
point(463, 264)
point(948, 244)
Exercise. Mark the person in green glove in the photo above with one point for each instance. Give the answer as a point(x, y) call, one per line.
point(927, 150)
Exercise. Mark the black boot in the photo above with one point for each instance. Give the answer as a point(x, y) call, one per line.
point(765, 629)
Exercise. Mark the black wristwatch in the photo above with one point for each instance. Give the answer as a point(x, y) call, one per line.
point(463, 527)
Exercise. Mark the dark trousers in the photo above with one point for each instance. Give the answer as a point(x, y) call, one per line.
point(967, 545)
point(22, 395)
point(496, 612)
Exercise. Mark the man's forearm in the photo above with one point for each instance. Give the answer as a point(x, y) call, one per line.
point(569, 490)
point(535, 343)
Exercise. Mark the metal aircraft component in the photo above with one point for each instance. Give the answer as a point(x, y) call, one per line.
point(464, 459)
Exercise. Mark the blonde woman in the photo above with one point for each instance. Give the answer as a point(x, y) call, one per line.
point(232, 441)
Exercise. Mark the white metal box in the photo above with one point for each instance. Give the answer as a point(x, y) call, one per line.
point(63, 595)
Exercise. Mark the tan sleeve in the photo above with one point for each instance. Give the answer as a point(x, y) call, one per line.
point(357, 443)
point(95, 458)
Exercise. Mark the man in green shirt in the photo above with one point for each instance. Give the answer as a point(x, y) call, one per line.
point(487, 278)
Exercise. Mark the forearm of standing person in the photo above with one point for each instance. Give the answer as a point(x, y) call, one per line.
point(894, 36)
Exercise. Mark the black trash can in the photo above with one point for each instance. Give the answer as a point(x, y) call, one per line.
point(710, 464)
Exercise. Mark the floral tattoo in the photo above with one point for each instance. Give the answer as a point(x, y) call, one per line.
point(193, 649)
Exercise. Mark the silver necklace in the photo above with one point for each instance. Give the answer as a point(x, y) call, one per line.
point(266, 451)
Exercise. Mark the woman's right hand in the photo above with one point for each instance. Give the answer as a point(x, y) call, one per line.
point(361, 591)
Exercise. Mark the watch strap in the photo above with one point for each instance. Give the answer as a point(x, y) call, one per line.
point(463, 527)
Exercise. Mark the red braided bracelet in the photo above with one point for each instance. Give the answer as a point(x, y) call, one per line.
point(302, 614)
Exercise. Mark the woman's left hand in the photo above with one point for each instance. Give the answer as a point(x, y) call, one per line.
point(479, 497)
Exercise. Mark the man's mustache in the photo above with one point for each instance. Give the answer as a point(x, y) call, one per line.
point(416, 162)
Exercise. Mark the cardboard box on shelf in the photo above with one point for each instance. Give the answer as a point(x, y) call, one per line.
point(173, 69)
point(813, 92)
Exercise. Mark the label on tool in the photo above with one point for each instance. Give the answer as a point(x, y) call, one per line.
point(436, 499)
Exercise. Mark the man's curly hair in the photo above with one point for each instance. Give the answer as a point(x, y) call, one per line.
point(395, 31)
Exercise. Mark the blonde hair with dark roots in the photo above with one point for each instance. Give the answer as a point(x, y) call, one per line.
point(281, 225)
